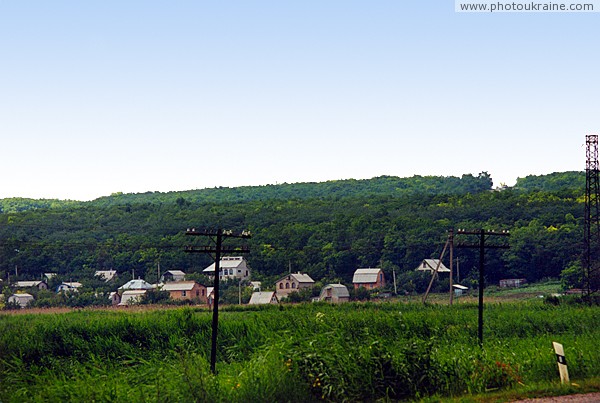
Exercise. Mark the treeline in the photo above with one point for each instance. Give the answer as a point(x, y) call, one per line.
point(326, 230)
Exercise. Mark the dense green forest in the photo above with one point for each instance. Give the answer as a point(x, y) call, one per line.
point(325, 229)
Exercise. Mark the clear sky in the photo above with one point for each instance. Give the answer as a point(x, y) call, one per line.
point(129, 96)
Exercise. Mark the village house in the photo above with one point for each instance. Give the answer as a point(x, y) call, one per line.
point(230, 267)
point(431, 264)
point(292, 282)
point(185, 290)
point(138, 284)
point(368, 278)
point(71, 286)
point(334, 293)
point(172, 275)
point(263, 298)
point(40, 285)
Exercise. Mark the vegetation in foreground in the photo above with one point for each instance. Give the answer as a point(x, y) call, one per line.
point(307, 352)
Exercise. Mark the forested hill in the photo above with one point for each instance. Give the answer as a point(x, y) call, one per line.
point(20, 204)
point(326, 230)
point(379, 186)
point(383, 185)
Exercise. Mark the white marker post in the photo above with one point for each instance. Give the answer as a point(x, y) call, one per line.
point(562, 362)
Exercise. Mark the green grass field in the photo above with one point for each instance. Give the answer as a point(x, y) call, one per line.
point(307, 352)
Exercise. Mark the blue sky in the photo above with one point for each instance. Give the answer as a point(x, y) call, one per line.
point(110, 96)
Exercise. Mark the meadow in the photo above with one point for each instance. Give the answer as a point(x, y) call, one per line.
point(305, 352)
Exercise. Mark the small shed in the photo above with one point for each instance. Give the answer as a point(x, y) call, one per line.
point(114, 298)
point(459, 289)
point(263, 297)
point(21, 299)
point(334, 293)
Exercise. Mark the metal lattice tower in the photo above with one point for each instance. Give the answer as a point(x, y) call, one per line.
point(591, 262)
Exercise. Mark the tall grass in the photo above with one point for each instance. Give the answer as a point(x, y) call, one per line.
point(307, 352)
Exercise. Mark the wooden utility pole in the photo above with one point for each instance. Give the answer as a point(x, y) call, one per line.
point(435, 272)
point(218, 250)
point(482, 246)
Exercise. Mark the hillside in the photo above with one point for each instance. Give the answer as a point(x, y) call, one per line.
point(327, 230)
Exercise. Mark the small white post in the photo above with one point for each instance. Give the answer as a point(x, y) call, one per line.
point(562, 362)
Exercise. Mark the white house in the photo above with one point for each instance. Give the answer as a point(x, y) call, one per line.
point(230, 267)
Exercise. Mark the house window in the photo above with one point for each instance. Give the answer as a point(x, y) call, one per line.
point(293, 285)
point(287, 285)
point(281, 286)
point(183, 293)
point(197, 293)
point(381, 277)
point(246, 273)
point(202, 292)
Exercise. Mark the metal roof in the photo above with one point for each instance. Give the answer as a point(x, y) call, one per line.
point(339, 290)
point(131, 296)
point(299, 277)
point(72, 284)
point(431, 264)
point(28, 283)
point(178, 286)
point(262, 297)
point(175, 272)
point(363, 276)
point(138, 284)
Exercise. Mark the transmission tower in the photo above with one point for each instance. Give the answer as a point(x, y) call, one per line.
point(591, 274)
